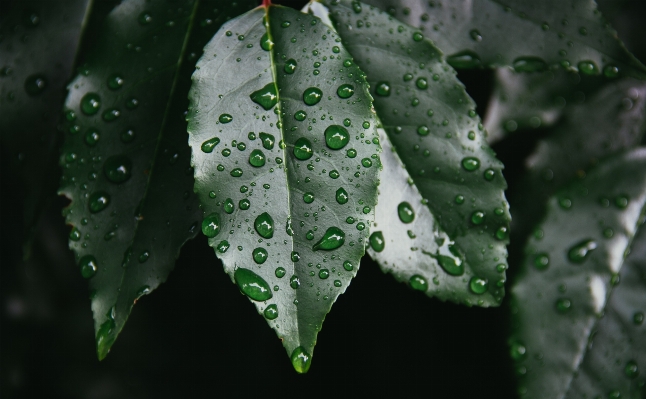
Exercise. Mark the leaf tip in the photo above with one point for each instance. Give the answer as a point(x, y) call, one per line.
point(105, 337)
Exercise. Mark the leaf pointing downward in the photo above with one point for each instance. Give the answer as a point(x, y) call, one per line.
point(564, 287)
point(286, 161)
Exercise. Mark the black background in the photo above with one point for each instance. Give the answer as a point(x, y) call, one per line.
point(197, 335)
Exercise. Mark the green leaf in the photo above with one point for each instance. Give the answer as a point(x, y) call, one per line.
point(454, 247)
point(38, 47)
point(126, 160)
point(528, 35)
point(563, 289)
point(286, 161)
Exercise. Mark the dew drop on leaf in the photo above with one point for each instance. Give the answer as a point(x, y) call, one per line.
point(579, 252)
point(264, 225)
point(211, 225)
point(268, 141)
point(345, 91)
point(382, 89)
point(99, 201)
point(529, 64)
point(290, 66)
point(341, 196)
point(563, 305)
point(478, 285)
point(418, 283)
point(266, 97)
point(209, 145)
point(588, 68)
point(259, 255)
point(252, 285)
point(35, 84)
point(347, 265)
point(88, 266)
point(271, 312)
point(312, 96)
point(464, 60)
point(90, 103)
point(377, 242)
point(470, 163)
point(118, 168)
point(405, 212)
point(333, 238)
point(301, 360)
point(303, 149)
point(541, 261)
point(336, 137)
point(225, 118)
point(280, 272)
point(257, 158)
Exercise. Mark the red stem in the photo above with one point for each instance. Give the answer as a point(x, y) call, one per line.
point(266, 3)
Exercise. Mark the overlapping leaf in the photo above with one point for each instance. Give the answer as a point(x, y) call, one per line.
point(567, 280)
point(442, 222)
point(38, 48)
point(528, 35)
point(286, 159)
point(125, 157)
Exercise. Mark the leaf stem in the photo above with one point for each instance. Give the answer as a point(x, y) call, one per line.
point(266, 3)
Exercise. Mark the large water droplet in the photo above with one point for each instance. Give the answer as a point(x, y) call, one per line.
point(88, 266)
point(377, 242)
point(210, 144)
point(264, 225)
point(312, 96)
point(341, 196)
point(303, 149)
point(478, 285)
point(382, 89)
point(336, 137)
point(333, 238)
point(211, 225)
point(470, 163)
point(268, 140)
point(99, 201)
point(271, 312)
point(405, 212)
point(225, 118)
point(451, 260)
point(301, 360)
point(259, 255)
point(252, 285)
point(90, 103)
point(265, 43)
point(464, 60)
point(266, 97)
point(588, 68)
point(345, 91)
point(118, 168)
point(418, 283)
point(257, 158)
point(580, 251)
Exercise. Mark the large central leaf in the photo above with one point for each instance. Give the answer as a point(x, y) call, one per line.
point(286, 161)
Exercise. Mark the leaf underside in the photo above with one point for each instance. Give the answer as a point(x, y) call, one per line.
point(38, 47)
point(528, 35)
point(443, 216)
point(565, 283)
point(126, 161)
point(271, 185)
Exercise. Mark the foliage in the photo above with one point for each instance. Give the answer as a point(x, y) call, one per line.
point(314, 136)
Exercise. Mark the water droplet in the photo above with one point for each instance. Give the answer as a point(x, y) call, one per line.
point(223, 246)
point(92, 137)
point(303, 149)
point(211, 225)
point(244, 204)
point(237, 172)
point(88, 266)
point(280, 272)
point(351, 153)
point(470, 163)
point(75, 234)
point(377, 242)
point(35, 84)
point(563, 305)
point(417, 36)
point(489, 174)
point(225, 118)
point(228, 206)
point(345, 91)
point(301, 360)
point(115, 81)
point(421, 83)
point(90, 103)
point(312, 96)
point(464, 60)
point(252, 285)
point(611, 71)
point(341, 196)
point(336, 137)
point(257, 158)
point(268, 140)
point(580, 251)
point(347, 265)
point(332, 239)
point(271, 312)
point(210, 144)
point(266, 97)
point(518, 351)
point(478, 285)
point(265, 43)
point(110, 115)
point(294, 282)
point(127, 136)
point(337, 283)
point(477, 217)
point(324, 274)
point(259, 255)
point(475, 35)
point(423, 130)
point(529, 64)
point(382, 89)
point(118, 168)
point(132, 103)
point(541, 261)
point(99, 201)
point(308, 197)
point(588, 68)
point(290, 66)
point(145, 18)
point(621, 201)
point(264, 225)
point(405, 212)
point(144, 256)
point(459, 199)
point(418, 283)
point(631, 370)
point(366, 162)
point(450, 262)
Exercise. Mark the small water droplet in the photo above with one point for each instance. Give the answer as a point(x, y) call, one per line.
point(294, 282)
point(209, 145)
point(35, 84)
point(312, 96)
point(563, 305)
point(418, 37)
point(280, 272)
point(377, 242)
point(518, 351)
point(579, 252)
point(265, 43)
point(541, 261)
point(99, 201)
point(90, 103)
point(405, 212)
point(257, 158)
point(211, 225)
point(464, 60)
point(324, 274)
point(237, 172)
point(477, 217)
point(252, 285)
point(588, 68)
point(332, 239)
point(470, 163)
point(347, 265)
point(303, 149)
point(259, 255)
point(418, 283)
point(290, 66)
point(115, 81)
point(529, 64)
point(611, 71)
point(264, 225)
point(143, 257)
point(475, 35)
point(345, 91)
point(308, 197)
point(382, 89)
point(631, 370)
point(223, 246)
point(478, 285)
point(271, 312)
point(341, 196)
point(88, 266)
point(145, 18)
point(118, 168)
point(421, 83)
point(268, 141)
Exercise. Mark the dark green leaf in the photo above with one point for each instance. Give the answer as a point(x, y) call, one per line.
point(452, 182)
point(528, 35)
point(284, 181)
point(37, 49)
point(126, 158)
point(566, 280)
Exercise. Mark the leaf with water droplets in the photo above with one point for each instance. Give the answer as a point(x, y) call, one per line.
point(529, 36)
point(37, 52)
point(571, 319)
point(126, 162)
point(438, 169)
point(292, 234)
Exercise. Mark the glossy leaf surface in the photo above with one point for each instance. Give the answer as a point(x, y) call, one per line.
point(528, 35)
point(37, 53)
point(447, 220)
point(571, 265)
point(126, 160)
point(286, 160)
